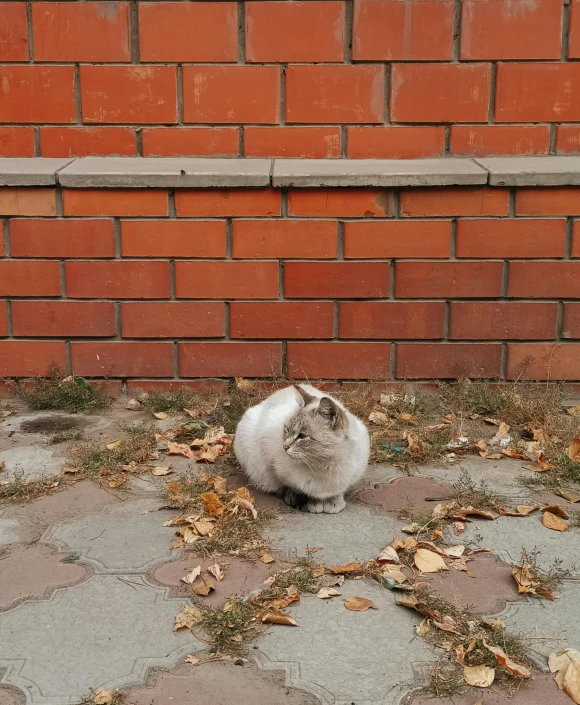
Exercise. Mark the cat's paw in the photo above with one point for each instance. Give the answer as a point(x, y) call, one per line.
point(315, 506)
point(334, 505)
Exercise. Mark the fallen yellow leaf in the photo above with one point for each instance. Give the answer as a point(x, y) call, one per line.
point(204, 587)
point(65, 471)
point(409, 418)
point(187, 618)
point(266, 557)
point(217, 571)
point(209, 454)
point(348, 568)
point(393, 572)
point(161, 470)
point(556, 509)
point(423, 627)
point(161, 415)
point(479, 676)
point(504, 660)
point(277, 617)
point(114, 444)
point(203, 526)
point(359, 604)
point(212, 504)
point(191, 659)
point(103, 696)
point(568, 496)
point(180, 449)
point(191, 577)
point(572, 681)
point(429, 562)
point(325, 593)
point(574, 450)
point(551, 521)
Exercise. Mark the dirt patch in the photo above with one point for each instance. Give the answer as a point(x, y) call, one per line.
point(405, 492)
point(52, 424)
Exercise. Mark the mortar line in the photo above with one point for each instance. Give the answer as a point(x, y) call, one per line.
point(568, 238)
point(447, 320)
point(241, 32)
point(9, 318)
point(456, 49)
point(68, 357)
point(62, 272)
point(335, 314)
point(117, 236)
point(504, 280)
point(139, 141)
point(6, 237)
point(180, 94)
point(241, 144)
point(58, 202)
point(77, 95)
point(348, 30)
point(29, 32)
point(37, 146)
point(340, 241)
point(559, 321)
point(229, 238)
point(175, 360)
point(492, 89)
point(171, 213)
point(172, 279)
point(118, 326)
point(392, 280)
point(393, 361)
point(134, 32)
point(512, 203)
point(552, 139)
point(387, 96)
point(565, 40)
point(503, 361)
point(227, 320)
point(447, 139)
point(284, 361)
point(282, 120)
point(343, 142)
point(284, 202)
point(453, 242)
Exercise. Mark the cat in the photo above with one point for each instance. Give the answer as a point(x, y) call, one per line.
point(304, 446)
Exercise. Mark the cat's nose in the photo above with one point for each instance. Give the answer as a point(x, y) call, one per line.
point(287, 444)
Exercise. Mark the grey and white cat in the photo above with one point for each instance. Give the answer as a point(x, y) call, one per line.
point(303, 445)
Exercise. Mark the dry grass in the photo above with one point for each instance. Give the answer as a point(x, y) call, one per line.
point(74, 395)
point(20, 491)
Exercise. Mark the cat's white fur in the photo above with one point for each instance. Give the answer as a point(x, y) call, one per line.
point(259, 447)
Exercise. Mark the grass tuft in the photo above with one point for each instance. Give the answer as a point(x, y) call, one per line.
point(22, 491)
point(73, 394)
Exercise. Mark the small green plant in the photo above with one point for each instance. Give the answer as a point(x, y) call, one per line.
point(66, 437)
point(168, 400)
point(71, 558)
point(478, 495)
point(72, 394)
point(21, 490)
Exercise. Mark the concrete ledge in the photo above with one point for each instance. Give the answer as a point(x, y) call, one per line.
point(35, 171)
point(532, 171)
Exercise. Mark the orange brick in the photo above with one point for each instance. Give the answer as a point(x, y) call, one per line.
point(129, 94)
point(87, 141)
point(397, 238)
point(402, 31)
point(267, 239)
point(451, 361)
point(27, 201)
point(485, 140)
point(295, 31)
point(575, 248)
point(574, 43)
point(122, 359)
point(24, 359)
point(196, 31)
point(340, 203)
point(336, 280)
point(137, 202)
point(281, 319)
point(138, 386)
point(13, 32)
point(502, 29)
point(305, 142)
point(37, 94)
point(454, 202)
point(176, 319)
point(230, 359)
point(395, 142)
point(384, 320)
point(226, 280)
point(33, 278)
point(503, 321)
point(544, 280)
point(568, 139)
point(117, 280)
point(537, 92)
point(3, 320)
point(231, 94)
point(510, 239)
point(62, 238)
point(339, 360)
point(63, 319)
point(170, 238)
point(548, 201)
point(543, 361)
point(335, 94)
point(88, 31)
point(190, 141)
point(226, 203)
point(440, 92)
point(571, 321)
point(16, 142)
point(448, 280)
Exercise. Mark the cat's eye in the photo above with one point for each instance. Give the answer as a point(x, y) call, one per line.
point(301, 436)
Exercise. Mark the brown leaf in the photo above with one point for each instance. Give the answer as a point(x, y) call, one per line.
point(281, 602)
point(248, 505)
point(65, 470)
point(458, 527)
point(359, 604)
point(455, 551)
point(442, 510)
point(209, 454)
point(103, 696)
point(551, 521)
point(482, 445)
point(204, 587)
point(387, 555)
point(512, 453)
point(437, 427)
point(277, 617)
point(393, 572)
point(203, 526)
point(313, 549)
point(188, 533)
point(379, 418)
point(502, 432)
point(410, 601)
point(212, 504)
point(216, 481)
point(413, 528)
point(325, 593)
point(436, 534)
point(161, 415)
point(574, 450)
point(504, 660)
point(572, 681)
point(180, 449)
point(556, 509)
point(409, 544)
point(479, 676)
point(429, 562)
point(191, 659)
point(521, 510)
point(187, 618)
point(161, 470)
point(213, 435)
point(348, 568)
point(423, 627)
point(113, 444)
point(470, 511)
point(191, 577)
point(492, 422)
point(266, 557)
point(217, 571)
point(244, 384)
point(409, 418)
point(2, 465)
point(568, 496)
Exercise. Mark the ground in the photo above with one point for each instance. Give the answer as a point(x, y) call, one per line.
point(91, 580)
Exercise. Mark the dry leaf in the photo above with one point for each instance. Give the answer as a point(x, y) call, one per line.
point(248, 505)
point(542, 466)
point(203, 526)
point(103, 696)
point(187, 618)
point(495, 624)
point(574, 450)
point(379, 418)
point(191, 659)
point(313, 549)
point(277, 617)
point(192, 412)
point(188, 533)
point(568, 496)
point(393, 572)
point(244, 384)
point(437, 427)
point(216, 481)
point(191, 577)
point(326, 593)
point(266, 557)
point(423, 627)
point(492, 422)
point(512, 453)
point(458, 527)
point(387, 555)
point(133, 405)
point(556, 509)
point(212, 504)
point(180, 449)
point(470, 511)
point(409, 418)
point(114, 444)
point(482, 445)
point(209, 454)
point(65, 471)
point(442, 510)
point(522, 510)
point(213, 435)
point(2, 465)
point(551, 521)
point(217, 571)
point(413, 528)
point(160, 470)
point(479, 676)
point(409, 544)
point(572, 682)
point(204, 587)
point(504, 660)
point(161, 415)
point(455, 551)
point(281, 602)
point(359, 604)
point(429, 562)
point(502, 432)
point(348, 568)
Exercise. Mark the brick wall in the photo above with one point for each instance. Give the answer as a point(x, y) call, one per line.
point(322, 79)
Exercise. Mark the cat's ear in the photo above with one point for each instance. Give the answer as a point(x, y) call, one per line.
point(333, 413)
point(302, 395)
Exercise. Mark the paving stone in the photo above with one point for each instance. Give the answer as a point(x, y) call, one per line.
point(404, 492)
point(10, 696)
point(33, 572)
point(12, 530)
point(345, 657)
point(125, 537)
point(30, 462)
point(108, 632)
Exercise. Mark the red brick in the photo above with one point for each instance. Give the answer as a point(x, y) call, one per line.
point(568, 139)
point(301, 239)
point(4, 320)
point(295, 31)
point(543, 361)
point(306, 142)
point(173, 320)
point(195, 31)
point(451, 360)
point(62, 238)
point(510, 239)
point(7, 387)
point(117, 280)
point(172, 238)
point(336, 280)
point(226, 203)
point(503, 321)
point(544, 280)
point(335, 94)
point(37, 94)
point(575, 247)
point(27, 201)
point(88, 31)
point(226, 280)
point(571, 321)
point(402, 31)
point(63, 319)
point(448, 280)
point(24, 359)
point(122, 359)
point(16, 142)
point(548, 201)
point(281, 319)
point(502, 29)
point(13, 32)
point(340, 203)
point(230, 359)
point(87, 141)
point(129, 94)
point(231, 94)
point(32, 278)
point(574, 32)
point(454, 202)
point(485, 140)
point(190, 141)
point(339, 360)
point(138, 386)
point(395, 142)
point(137, 202)
point(397, 238)
point(391, 320)
point(538, 92)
